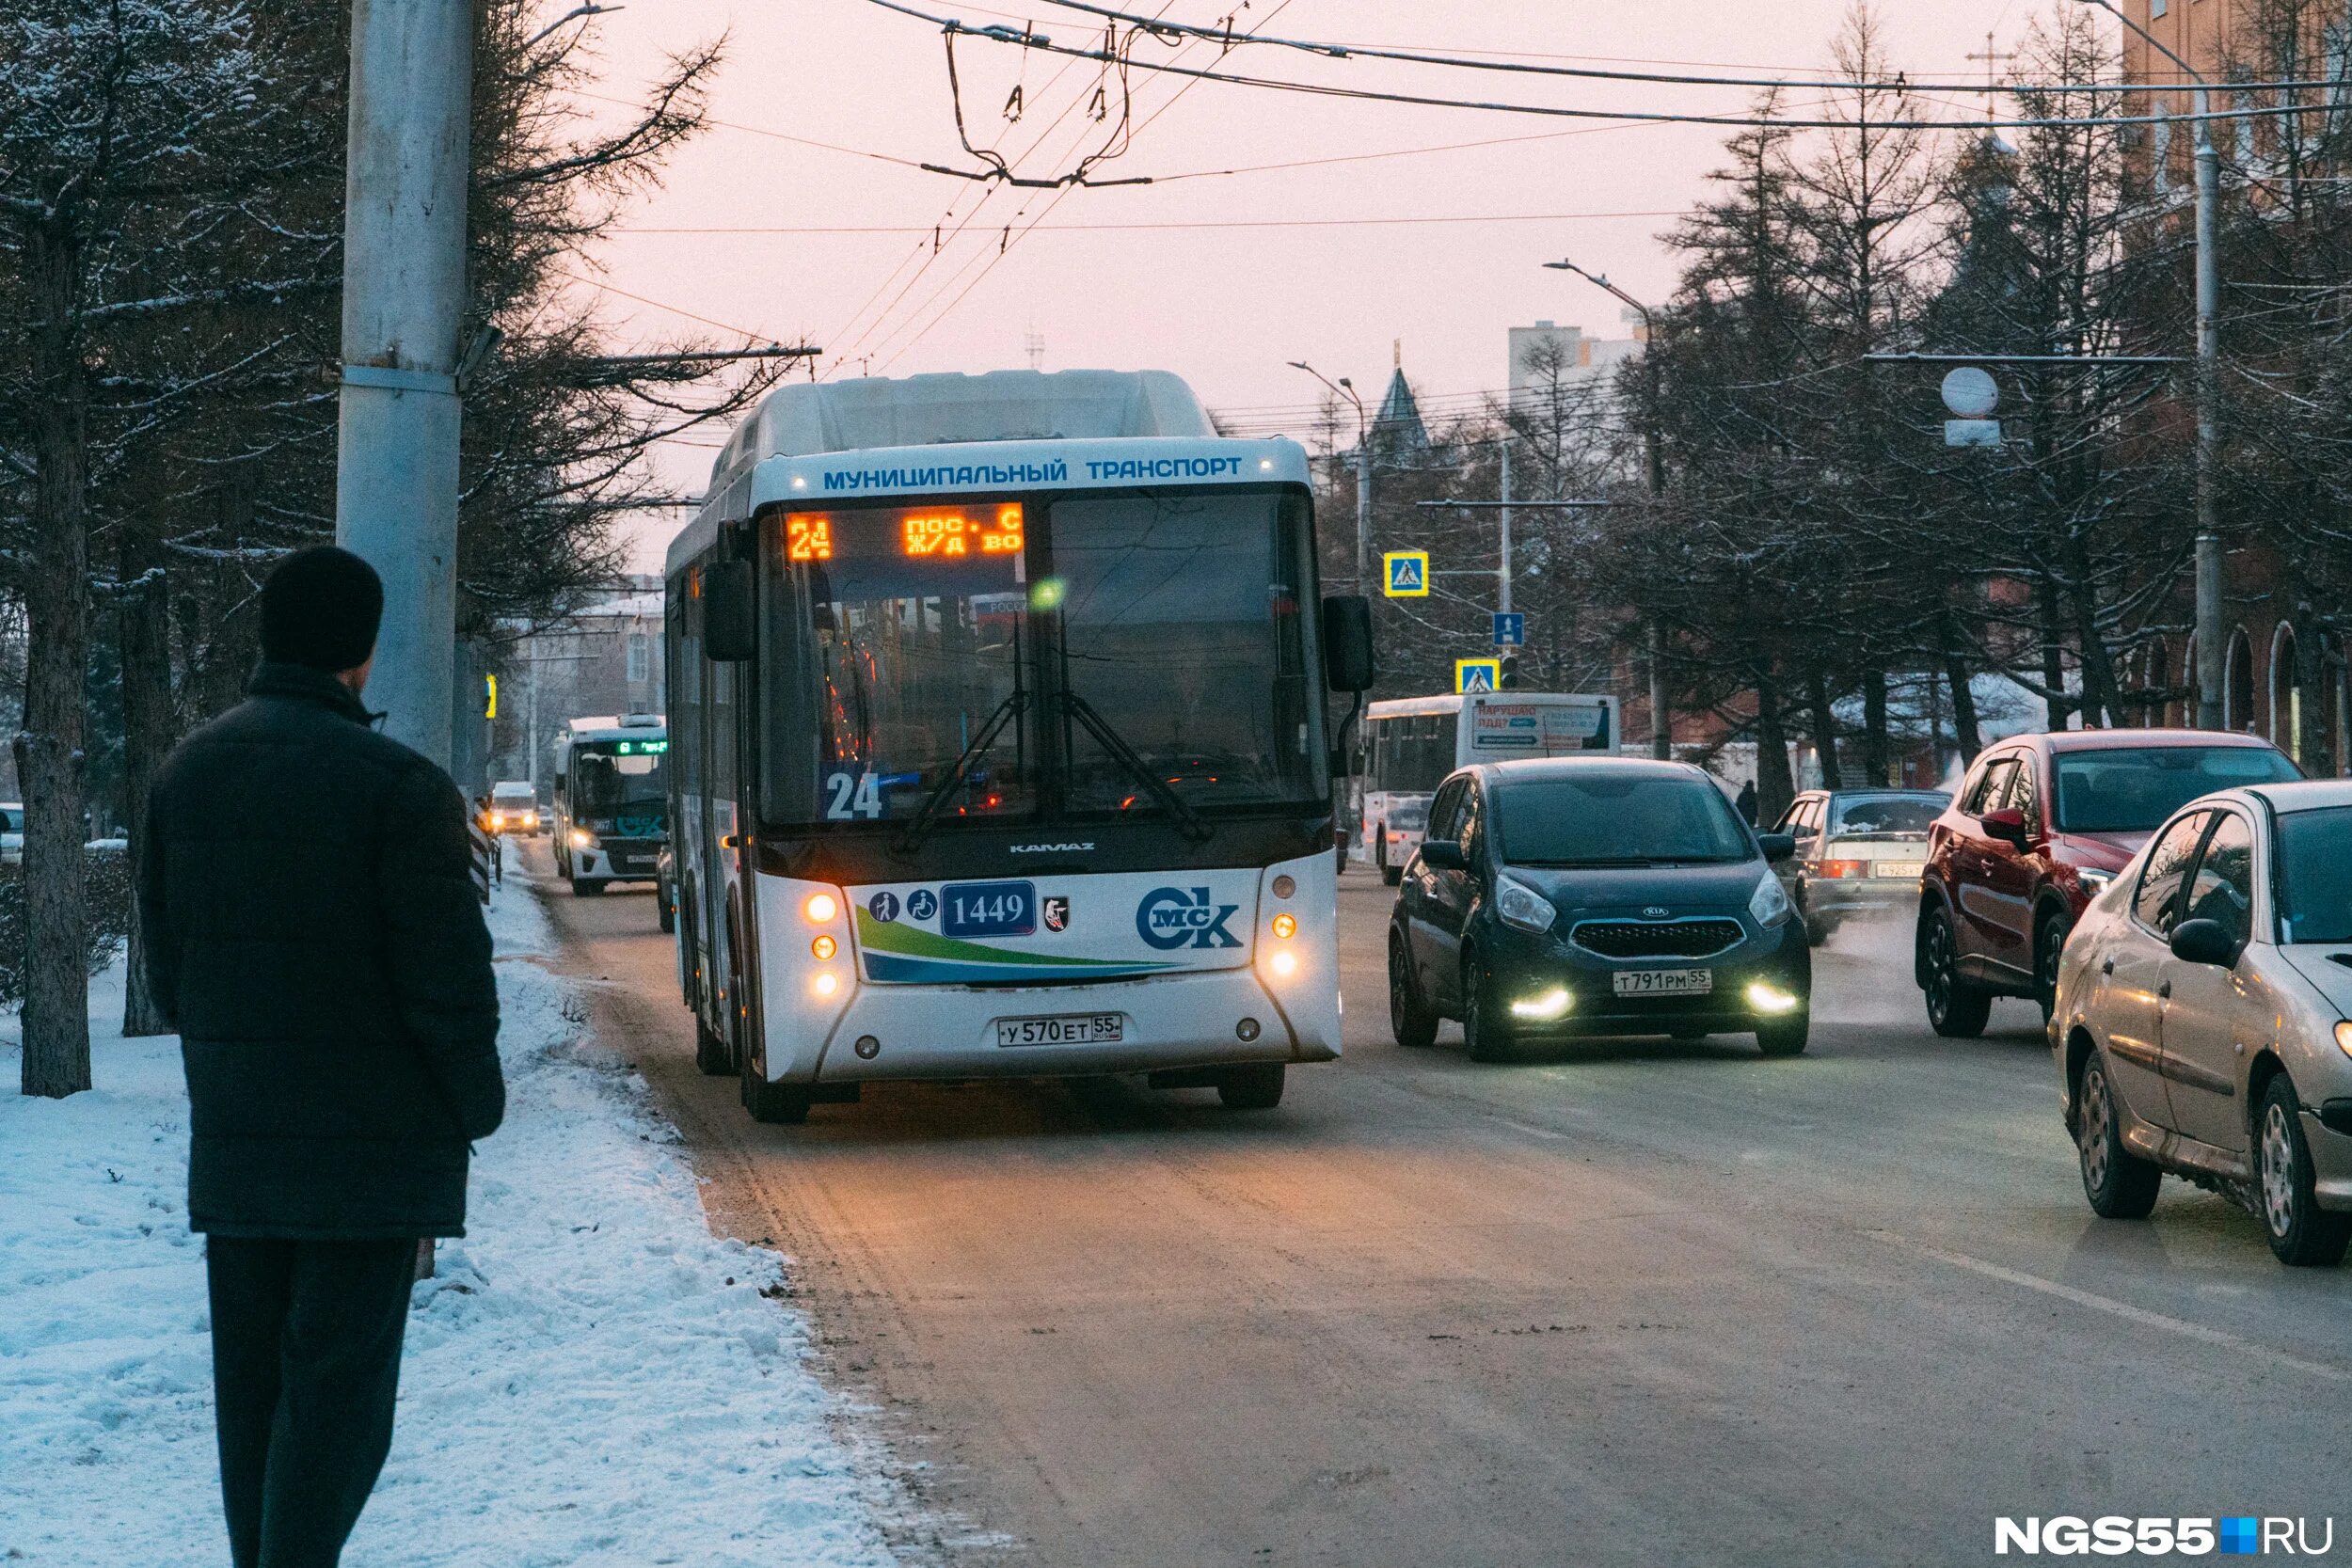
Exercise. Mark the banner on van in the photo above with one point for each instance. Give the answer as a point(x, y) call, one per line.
point(1532, 728)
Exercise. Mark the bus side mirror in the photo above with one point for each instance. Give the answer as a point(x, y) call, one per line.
point(1347, 664)
point(727, 612)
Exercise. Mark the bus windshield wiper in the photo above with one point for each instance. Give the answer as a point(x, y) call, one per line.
point(1190, 822)
point(933, 803)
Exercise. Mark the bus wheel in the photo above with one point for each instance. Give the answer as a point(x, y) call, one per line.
point(711, 1054)
point(775, 1104)
point(1251, 1088)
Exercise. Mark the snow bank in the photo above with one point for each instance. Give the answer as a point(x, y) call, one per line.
point(591, 1379)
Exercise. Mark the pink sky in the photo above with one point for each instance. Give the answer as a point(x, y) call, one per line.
point(1223, 306)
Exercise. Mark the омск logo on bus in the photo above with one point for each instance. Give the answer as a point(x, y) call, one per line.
point(1169, 917)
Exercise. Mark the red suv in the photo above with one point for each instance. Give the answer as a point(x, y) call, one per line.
point(2039, 826)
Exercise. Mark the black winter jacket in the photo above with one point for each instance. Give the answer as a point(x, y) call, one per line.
point(312, 931)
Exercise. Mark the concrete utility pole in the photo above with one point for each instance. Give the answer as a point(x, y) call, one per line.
point(1503, 567)
point(2211, 649)
point(404, 305)
point(1363, 472)
point(1661, 724)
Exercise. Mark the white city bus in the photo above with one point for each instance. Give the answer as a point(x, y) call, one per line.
point(612, 799)
point(1001, 744)
point(1410, 743)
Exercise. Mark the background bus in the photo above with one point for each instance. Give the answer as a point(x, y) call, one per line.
point(1002, 747)
point(612, 799)
point(1410, 743)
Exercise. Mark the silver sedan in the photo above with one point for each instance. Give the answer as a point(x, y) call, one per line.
point(2200, 1028)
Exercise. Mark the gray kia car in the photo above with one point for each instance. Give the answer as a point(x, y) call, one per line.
point(1595, 896)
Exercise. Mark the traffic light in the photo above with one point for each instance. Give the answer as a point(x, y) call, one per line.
point(1510, 681)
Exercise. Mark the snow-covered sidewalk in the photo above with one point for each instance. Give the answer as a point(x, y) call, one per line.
point(591, 1379)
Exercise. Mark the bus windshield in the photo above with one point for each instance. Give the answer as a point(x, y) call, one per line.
point(604, 784)
point(1081, 656)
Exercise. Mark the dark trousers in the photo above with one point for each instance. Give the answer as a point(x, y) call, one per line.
point(306, 1362)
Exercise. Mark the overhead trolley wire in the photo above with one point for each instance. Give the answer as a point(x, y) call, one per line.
point(1748, 122)
point(1059, 194)
point(1518, 67)
point(1173, 224)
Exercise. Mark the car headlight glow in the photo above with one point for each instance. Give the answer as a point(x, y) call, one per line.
point(2343, 1037)
point(1553, 1004)
point(583, 839)
point(1767, 998)
point(1522, 906)
point(1769, 904)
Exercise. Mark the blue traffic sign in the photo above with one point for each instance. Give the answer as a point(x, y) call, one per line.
point(1510, 629)
point(1404, 574)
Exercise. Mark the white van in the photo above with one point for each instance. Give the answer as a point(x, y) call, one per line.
point(1410, 743)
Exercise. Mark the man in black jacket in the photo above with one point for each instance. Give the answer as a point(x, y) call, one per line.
point(312, 932)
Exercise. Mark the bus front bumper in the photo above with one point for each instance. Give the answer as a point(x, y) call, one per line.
point(1217, 1017)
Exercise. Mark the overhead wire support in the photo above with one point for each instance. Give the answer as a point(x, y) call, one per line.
point(1005, 177)
point(999, 168)
point(1740, 121)
point(700, 356)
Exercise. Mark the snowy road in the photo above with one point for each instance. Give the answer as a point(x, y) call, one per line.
point(1621, 1305)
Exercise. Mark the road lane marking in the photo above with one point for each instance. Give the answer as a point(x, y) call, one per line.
point(2124, 1309)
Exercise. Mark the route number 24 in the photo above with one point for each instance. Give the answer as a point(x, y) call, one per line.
point(849, 796)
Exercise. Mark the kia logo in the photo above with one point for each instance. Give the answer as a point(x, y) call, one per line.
point(1656, 912)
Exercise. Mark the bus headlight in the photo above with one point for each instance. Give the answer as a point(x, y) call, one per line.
point(1284, 963)
point(583, 839)
point(826, 983)
point(823, 909)
point(1286, 925)
point(824, 947)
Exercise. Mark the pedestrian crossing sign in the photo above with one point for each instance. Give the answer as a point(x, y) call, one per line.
point(1404, 574)
point(1477, 674)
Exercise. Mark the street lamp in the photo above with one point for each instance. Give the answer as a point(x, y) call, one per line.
point(1662, 744)
point(1364, 470)
point(1653, 446)
point(2209, 636)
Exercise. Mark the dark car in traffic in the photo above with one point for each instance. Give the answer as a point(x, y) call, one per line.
point(1594, 896)
point(2039, 827)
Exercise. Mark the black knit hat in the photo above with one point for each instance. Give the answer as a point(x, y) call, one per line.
point(321, 608)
